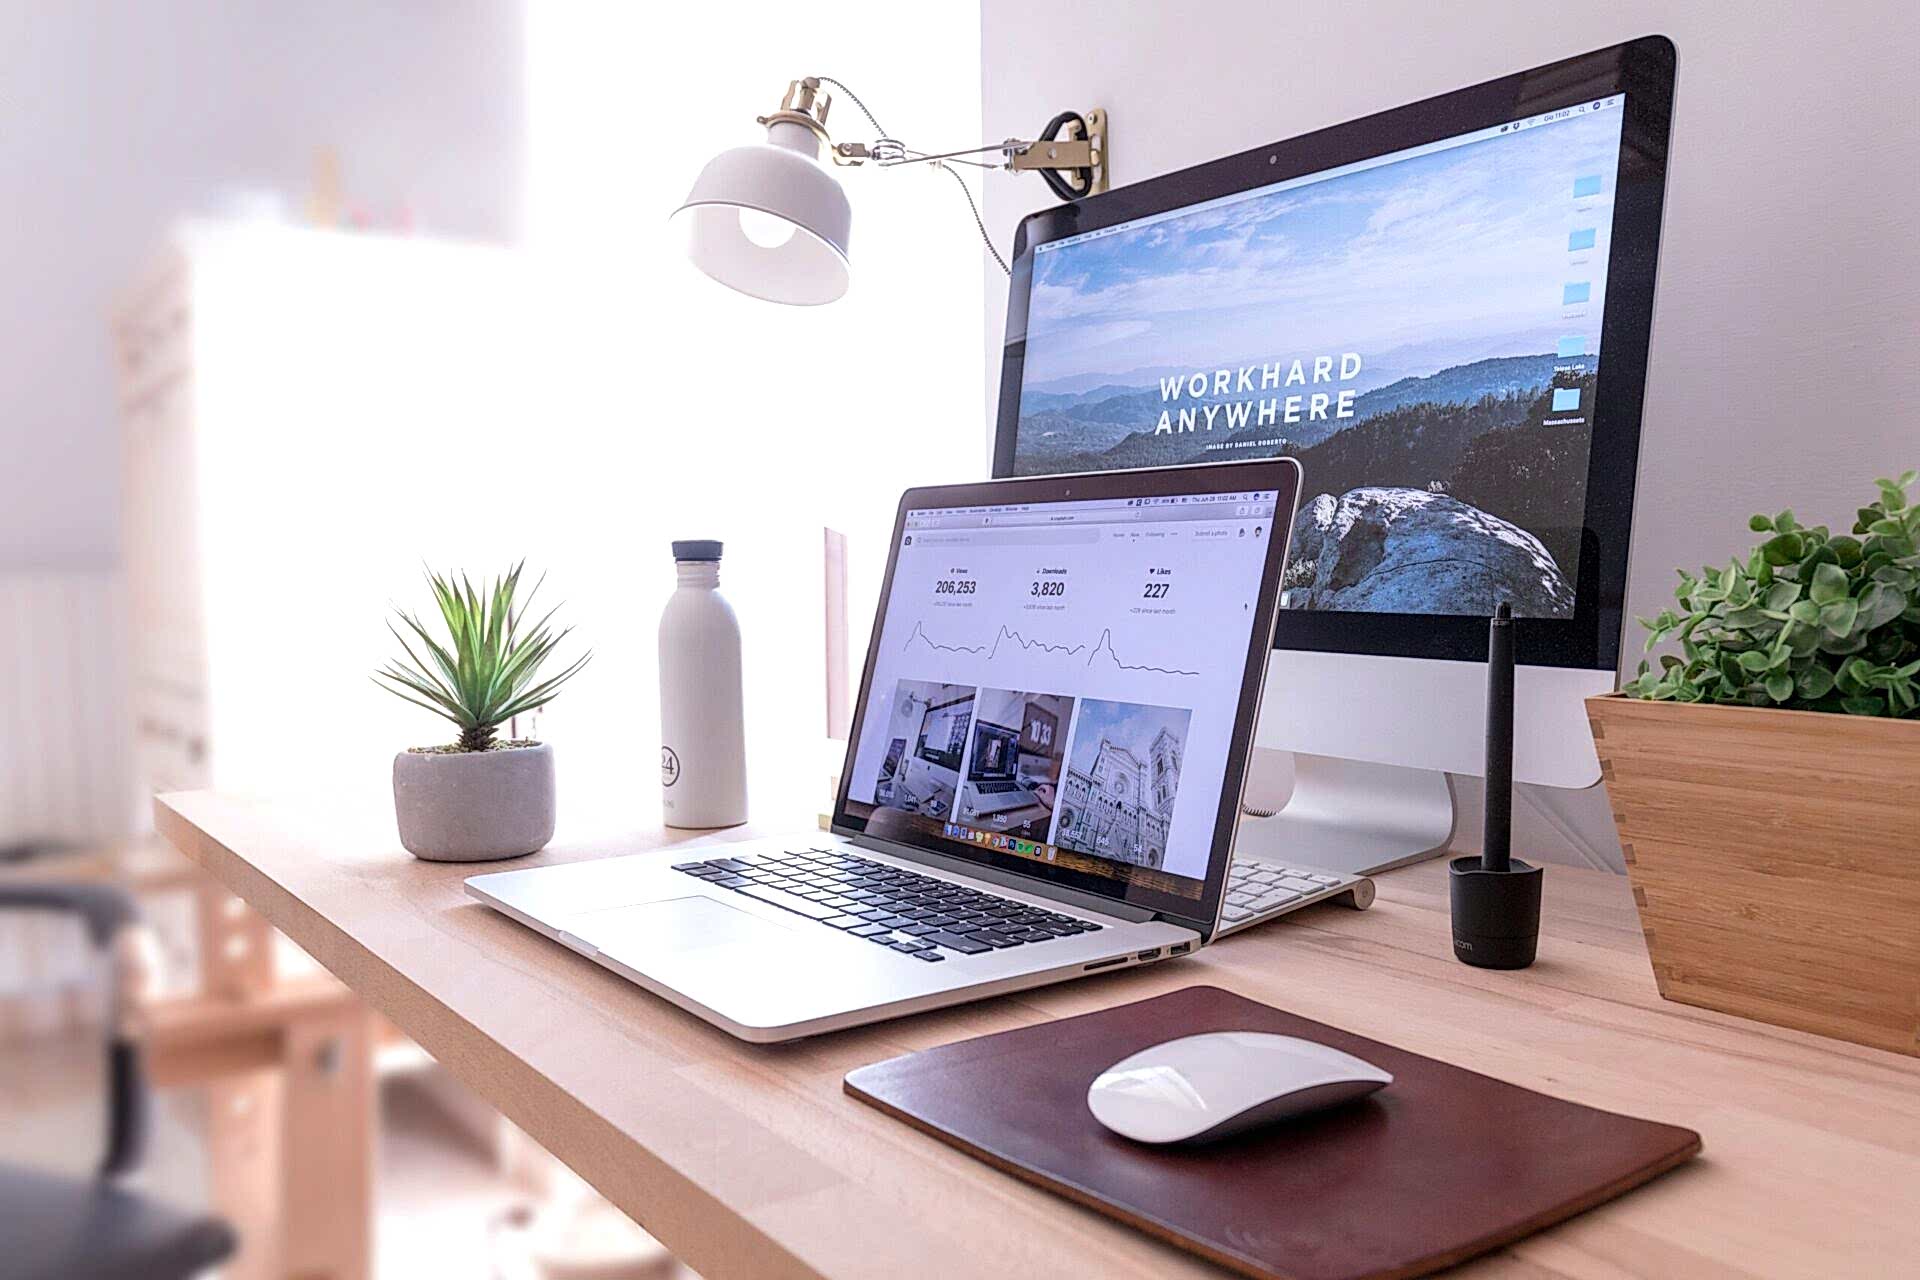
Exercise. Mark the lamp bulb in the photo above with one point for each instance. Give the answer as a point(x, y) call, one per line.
point(767, 230)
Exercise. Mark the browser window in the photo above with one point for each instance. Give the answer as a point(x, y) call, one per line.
point(1058, 681)
point(1420, 329)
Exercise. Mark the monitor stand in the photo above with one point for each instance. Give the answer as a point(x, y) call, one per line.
point(1352, 817)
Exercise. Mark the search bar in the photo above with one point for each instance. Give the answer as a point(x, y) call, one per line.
point(1036, 536)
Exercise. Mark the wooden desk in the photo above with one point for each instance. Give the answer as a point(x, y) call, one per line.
point(750, 1161)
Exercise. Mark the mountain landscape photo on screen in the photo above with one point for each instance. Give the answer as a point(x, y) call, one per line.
point(1422, 332)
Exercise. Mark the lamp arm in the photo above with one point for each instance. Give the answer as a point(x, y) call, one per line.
point(1072, 166)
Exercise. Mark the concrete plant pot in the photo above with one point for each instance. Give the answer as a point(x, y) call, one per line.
point(474, 806)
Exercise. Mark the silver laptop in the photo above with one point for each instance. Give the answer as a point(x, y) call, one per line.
point(1097, 641)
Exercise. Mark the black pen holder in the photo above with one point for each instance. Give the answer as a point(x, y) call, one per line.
point(1496, 914)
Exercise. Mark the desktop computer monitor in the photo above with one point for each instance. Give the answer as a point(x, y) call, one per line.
point(1443, 312)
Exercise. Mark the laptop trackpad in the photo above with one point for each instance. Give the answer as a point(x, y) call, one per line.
point(674, 925)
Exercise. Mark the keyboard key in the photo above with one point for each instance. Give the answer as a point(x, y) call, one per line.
point(788, 902)
point(908, 946)
point(894, 922)
point(929, 954)
point(869, 930)
point(1298, 885)
point(729, 864)
point(919, 930)
point(958, 942)
point(993, 939)
point(844, 922)
point(687, 866)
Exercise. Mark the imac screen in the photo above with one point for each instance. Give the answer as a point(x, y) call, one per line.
point(1421, 330)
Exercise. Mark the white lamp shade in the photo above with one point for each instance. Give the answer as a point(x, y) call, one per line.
point(778, 182)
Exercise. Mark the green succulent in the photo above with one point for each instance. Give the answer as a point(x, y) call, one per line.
point(1809, 620)
point(487, 672)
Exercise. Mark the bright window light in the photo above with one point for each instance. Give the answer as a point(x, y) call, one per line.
point(368, 405)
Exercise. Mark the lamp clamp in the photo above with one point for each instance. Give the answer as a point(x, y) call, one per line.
point(1075, 163)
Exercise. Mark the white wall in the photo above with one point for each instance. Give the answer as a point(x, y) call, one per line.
point(1781, 371)
point(121, 116)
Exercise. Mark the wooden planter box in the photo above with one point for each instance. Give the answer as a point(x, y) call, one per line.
point(1775, 859)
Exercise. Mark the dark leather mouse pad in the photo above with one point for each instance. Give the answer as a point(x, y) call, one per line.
point(1441, 1165)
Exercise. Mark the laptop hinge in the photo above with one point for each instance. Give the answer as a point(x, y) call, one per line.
point(1012, 880)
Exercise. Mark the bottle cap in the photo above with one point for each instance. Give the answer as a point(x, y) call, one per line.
point(696, 549)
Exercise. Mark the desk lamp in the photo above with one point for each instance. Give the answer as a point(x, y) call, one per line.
point(770, 219)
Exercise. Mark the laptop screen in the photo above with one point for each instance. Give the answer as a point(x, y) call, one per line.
point(1067, 676)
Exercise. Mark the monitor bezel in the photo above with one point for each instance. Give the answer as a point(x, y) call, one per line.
point(1198, 913)
point(1643, 71)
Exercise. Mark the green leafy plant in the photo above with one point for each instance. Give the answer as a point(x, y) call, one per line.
point(487, 672)
point(1809, 620)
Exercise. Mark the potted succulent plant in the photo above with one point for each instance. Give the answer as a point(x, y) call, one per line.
point(480, 797)
point(1765, 779)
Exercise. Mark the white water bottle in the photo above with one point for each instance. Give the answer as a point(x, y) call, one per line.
point(703, 749)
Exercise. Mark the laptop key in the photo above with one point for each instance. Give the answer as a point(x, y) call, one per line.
point(844, 922)
point(958, 942)
point(993, 939)
point(908, 946)
point(919, 930)
point(787, 901)
point(869, 930)
point(929, 954)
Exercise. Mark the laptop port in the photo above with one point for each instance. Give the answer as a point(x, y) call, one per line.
point(1149, 955)
point(1179, 948)
point(1103, 964)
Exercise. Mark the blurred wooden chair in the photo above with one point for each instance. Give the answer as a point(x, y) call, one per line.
point(56, 1227)
point(285, 1062)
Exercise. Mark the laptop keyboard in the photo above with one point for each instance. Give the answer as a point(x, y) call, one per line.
point(916, 915)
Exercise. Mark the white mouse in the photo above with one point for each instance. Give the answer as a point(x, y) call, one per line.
point(1199, 1088)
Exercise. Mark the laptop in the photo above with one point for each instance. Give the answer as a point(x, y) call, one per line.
point(1122, 621)
point(994, 787)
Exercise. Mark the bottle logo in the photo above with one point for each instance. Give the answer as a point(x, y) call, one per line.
point(669, 767)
